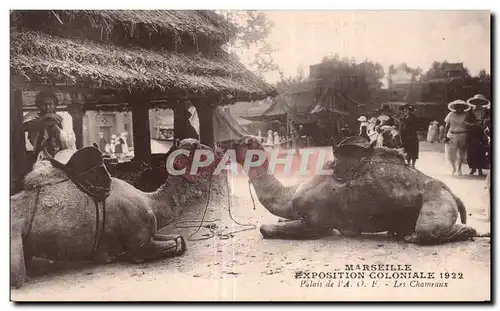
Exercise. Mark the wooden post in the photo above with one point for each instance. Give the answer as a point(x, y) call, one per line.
point(142, 135)
point(77, 112)
point(18, 157)
point(206, 115)
point(181, 118)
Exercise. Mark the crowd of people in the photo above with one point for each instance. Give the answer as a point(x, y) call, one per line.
point(273, 139)
point(116, 147)
point(465, 132)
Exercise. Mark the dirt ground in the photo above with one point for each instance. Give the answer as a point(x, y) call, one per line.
point(247, 267)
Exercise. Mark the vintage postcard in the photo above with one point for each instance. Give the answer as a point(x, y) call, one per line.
point(211, 155)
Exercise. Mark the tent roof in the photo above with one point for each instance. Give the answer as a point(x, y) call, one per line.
point(226, 127)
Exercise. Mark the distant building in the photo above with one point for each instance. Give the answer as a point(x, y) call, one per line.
point(340, 94)
point(453, 70)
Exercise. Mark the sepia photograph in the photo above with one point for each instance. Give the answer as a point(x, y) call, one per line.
point(176, 155)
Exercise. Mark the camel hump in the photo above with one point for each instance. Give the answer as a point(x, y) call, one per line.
point(87, 170)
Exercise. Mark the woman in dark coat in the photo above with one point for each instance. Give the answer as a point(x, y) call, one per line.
point(477, 143)
point(409, 138)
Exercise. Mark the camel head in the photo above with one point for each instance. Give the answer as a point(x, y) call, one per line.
point(241, 146)
point(183, 161)
point(389, 137)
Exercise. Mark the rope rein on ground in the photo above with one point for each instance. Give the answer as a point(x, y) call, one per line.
point(209, 224)
point(202, 221)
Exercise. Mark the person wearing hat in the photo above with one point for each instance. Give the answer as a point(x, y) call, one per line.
point(456, 134)
point(477, 144)
point(479, 100)
point(363, 127)
point(384, 117)
point(409, 137)
point(345, 132)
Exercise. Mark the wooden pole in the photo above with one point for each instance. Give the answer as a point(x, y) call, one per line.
point(77, 111)
point(142, 135)
point(19, 164)
point(206, 115)
point(180, 121)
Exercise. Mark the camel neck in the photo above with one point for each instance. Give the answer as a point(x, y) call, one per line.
point(259, 171)
point(274, 196)
point(167, 201)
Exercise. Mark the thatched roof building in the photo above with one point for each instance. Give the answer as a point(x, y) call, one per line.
point(161, 54)
point(126, 60)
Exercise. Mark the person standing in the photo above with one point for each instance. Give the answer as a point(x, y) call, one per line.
point(102, 143)
point(123, 141)
point(432, 134)
point(118, 145)
point(276, 141)
point(477, 144)
point(429, 131)
point(456, 134)
point(486, 117)
point(409, 137)
point(441, 133)
point(345, 132)
point(372, 133)
point(474, 144)
point(269, 140)
point(363, 127)
point(112, 144)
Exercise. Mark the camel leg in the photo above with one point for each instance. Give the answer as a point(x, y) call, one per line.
point(170, 237)
point(160, 246)
point(436, 222)
point(294, 229)
point(17, 263)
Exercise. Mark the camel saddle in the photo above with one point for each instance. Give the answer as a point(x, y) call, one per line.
point(354, 146)
point(86, 169)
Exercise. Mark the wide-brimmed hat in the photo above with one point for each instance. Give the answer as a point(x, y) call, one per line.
point(362, 119)
point(459, 102)
point(407, 106)
point(479, 99)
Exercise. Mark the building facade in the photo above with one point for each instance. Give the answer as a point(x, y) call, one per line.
point(107, 123)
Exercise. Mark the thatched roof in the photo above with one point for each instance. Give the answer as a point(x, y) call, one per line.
point(39, 57)
point(149, 28)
